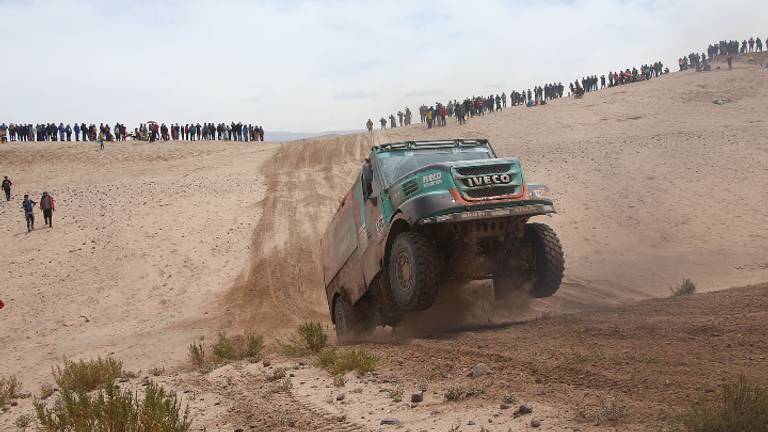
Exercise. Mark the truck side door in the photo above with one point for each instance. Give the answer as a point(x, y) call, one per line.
point(370, 210)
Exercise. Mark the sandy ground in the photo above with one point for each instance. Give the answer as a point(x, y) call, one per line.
point(154, 245)
point(126, 268)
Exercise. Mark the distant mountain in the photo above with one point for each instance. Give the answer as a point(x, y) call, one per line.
point(295, 136)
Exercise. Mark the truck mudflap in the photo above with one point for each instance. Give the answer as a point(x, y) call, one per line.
point(521, 210)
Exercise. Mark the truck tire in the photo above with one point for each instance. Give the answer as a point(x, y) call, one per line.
point(351, 321)
point(413, 271)
point(549, 260)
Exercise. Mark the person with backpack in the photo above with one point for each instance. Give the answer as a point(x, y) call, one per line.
point(7, 183)
point(48, 206)
point(28, 206)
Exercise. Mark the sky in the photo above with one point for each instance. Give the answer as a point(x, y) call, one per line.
point(309, 66)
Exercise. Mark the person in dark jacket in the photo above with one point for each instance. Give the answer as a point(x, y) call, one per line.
point(28, 206)
point(48, 207)
point(7, 183)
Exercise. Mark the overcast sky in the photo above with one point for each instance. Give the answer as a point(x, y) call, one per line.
point(325, 65)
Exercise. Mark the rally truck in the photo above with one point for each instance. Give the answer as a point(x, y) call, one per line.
point(425, 213)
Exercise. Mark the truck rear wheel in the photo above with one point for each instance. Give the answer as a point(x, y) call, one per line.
point(413, 271)
point(351, 320)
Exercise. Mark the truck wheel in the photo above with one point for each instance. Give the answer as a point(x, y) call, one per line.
point(549, 260)
point(413, 271)
point(350, 320)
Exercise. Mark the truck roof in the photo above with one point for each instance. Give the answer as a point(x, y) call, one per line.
point(433, 144)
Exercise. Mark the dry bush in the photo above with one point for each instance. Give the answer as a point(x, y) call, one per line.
point(741, 406)
point(87, 375)
point(157, 371)
point(131, 374)
point(46, 391)
point(283, 386)
point(341, 362)
point(339, 380)
point(457, 392)
point(607, 411)
point(23, 421)
point(396, 394)
point(509, 399)
point(277, 374)
point(197, 355)
point(226, 349)
point(310, 338)
point(109, 410)
point(686, 287)
point(10, 388)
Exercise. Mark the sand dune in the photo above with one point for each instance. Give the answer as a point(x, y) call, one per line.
point(154, 245)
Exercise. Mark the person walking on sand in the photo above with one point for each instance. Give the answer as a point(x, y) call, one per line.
point(28, 205)
point(7, 183)
point(48, 207)
point(369, 125)
point(729, 59)
point(101, 139)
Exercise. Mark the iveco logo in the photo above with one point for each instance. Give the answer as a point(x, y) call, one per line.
point(488, 180)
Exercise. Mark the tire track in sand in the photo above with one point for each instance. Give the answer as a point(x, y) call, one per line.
point(283, 284)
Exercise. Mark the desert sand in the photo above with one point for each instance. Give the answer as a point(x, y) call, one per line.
point(154, 245)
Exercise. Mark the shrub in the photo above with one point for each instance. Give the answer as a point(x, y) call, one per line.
point(283, 386)
point(23, 421)
point(46, 391)
point(197, 355)
point(157, 371)
point(277, 374)
point(253, 346)
point(87, 375)
point(110, 409)
point(686, 287)
point(310, 338)
point(326, 358)
point(10, 388)
point(455, 393)
point(608, 411)
point(509, 399)
point(396, 394)
point(741, 406)
point(224, 349)
point(339, 380)
point(341, 362)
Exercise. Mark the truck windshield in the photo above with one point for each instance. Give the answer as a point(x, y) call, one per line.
point(395, 165)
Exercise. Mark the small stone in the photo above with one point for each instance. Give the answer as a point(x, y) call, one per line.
point(479, 370)
point(340, 396)
point(523, 409)
point(266, 363)
point(390, 421)
point(503, 406)
point(13, 403)
point(471, 423)
point(535, 423)
point(239, 430)
point(417, 397)
point(122, 379)
point(341, 418)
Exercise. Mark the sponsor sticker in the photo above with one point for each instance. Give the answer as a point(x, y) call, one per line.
point(432, 179)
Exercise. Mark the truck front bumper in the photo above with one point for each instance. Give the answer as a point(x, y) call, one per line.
point(521, 210)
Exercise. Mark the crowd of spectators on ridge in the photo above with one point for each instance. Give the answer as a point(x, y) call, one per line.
point(150, 131)
point(436, 115)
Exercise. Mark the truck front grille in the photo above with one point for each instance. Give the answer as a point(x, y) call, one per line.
point(491, 192)
point(484, 170)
